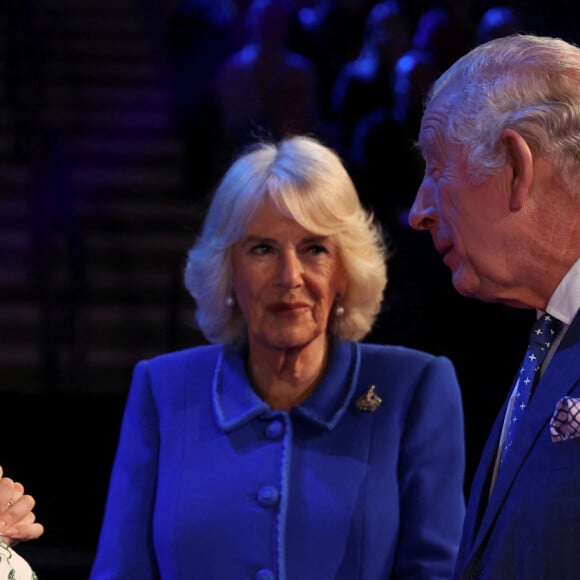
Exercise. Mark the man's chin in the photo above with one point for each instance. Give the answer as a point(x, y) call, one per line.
point(475, 291)
point(466, 289)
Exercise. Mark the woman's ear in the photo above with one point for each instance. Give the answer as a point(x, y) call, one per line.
point(520, 160)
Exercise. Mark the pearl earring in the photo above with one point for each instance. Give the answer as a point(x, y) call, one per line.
point(339, 311)
point(229, 301)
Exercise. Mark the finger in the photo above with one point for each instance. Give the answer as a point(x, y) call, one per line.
point(6, 489)
point(16, 511)
point(10, 492)
point(21, 533)
point(29, 518)
point(11, 495)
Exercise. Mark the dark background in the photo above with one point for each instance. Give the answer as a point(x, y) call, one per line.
point(100, 197)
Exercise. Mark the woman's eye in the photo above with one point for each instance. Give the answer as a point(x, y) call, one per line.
point(260, 249)
point(317, 249)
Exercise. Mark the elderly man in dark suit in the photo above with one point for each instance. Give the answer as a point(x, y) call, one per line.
point(500, 137)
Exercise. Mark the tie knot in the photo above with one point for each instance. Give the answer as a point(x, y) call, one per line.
point(544, 331)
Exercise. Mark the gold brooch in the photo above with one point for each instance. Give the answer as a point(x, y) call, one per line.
point(370, 401)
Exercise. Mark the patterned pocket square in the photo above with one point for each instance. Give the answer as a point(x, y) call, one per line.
point(565, 422)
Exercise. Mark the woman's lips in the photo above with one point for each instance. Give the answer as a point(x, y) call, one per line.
point(287, 308)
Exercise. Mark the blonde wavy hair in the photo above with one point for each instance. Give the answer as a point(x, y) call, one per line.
point(307, 182)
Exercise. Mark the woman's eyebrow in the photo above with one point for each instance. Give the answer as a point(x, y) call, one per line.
point(253, 239)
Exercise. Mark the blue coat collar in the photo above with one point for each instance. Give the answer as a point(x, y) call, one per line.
point(235, 402)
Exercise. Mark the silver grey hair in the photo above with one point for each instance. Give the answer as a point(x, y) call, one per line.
point(308, 182)
point(527, 83)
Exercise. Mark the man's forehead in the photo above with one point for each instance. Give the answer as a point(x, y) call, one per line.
point(433, 125)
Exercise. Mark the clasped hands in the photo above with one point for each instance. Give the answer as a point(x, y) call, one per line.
point(17, 520)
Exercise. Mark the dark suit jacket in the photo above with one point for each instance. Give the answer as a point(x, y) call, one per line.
point(530, 526)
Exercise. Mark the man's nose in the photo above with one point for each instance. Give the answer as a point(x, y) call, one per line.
point(423, 212)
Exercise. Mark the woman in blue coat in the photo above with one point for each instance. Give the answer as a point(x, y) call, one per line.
point(287, 449)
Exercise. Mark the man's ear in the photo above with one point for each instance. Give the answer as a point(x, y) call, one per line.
point(520, 159)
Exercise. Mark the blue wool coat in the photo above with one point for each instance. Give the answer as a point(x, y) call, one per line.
point(208, 482)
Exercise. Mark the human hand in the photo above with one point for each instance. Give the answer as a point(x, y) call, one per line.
point(17, 520)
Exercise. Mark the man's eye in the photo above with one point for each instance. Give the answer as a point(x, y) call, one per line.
point(431, 170)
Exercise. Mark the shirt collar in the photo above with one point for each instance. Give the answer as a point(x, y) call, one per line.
point(565, 301)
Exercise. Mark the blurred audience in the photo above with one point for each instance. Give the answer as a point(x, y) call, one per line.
point(264, 89)
point(498, 21)
point(387, 170)
point(332, 33)
point(202, 33)
point(382, 158)
point(364, 84)
point(443, 34)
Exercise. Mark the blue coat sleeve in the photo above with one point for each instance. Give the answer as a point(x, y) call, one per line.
point(431, 472)
point(125, 548)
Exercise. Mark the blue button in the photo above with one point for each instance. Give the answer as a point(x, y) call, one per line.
point(275, 430)
point(268, 496)
point(265, 574)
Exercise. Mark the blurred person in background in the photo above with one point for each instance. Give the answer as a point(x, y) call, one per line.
point(498, 21)
point(365, 83)
point(264, 89)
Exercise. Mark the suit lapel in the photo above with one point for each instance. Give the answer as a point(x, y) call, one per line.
point(561, 378)
point(479, 492)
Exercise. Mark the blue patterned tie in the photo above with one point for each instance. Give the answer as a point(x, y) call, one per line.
point(543, 333)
